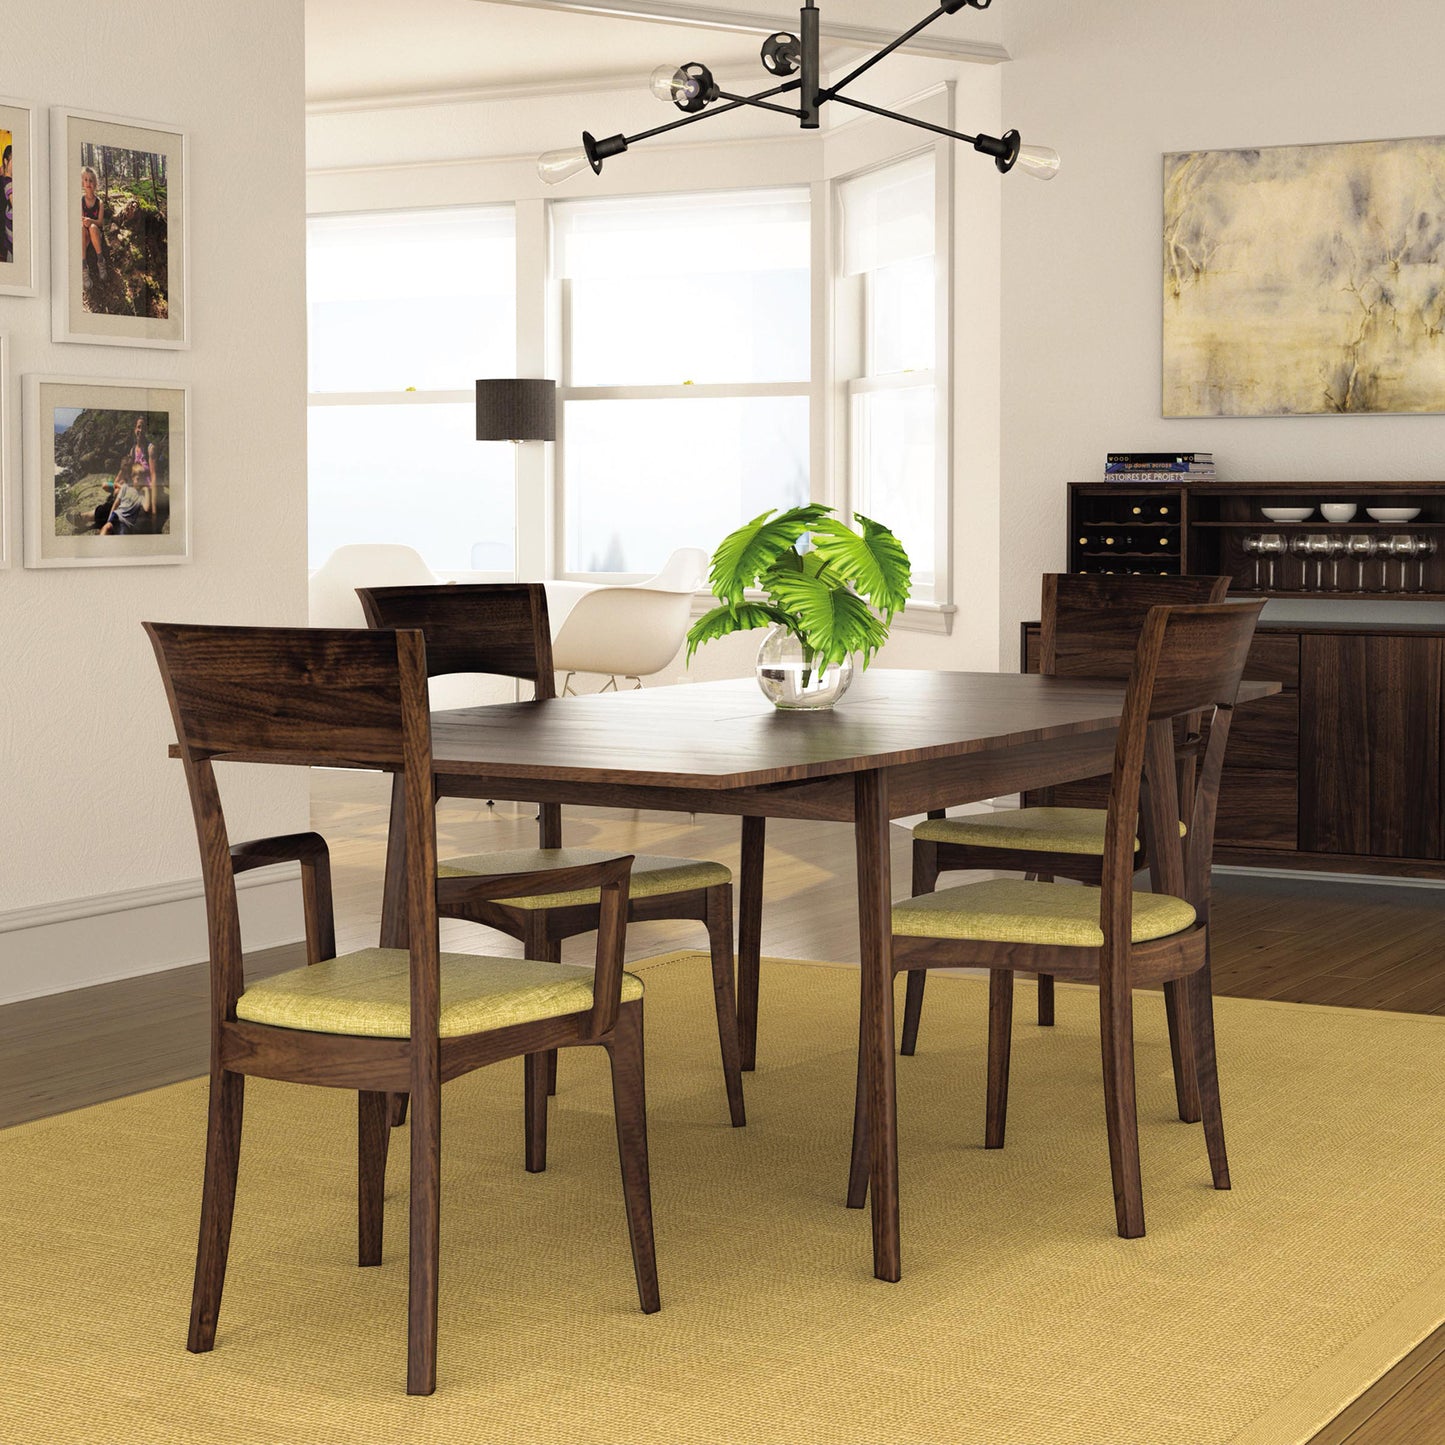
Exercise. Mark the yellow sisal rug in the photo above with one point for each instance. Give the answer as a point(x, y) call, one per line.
point(1249, 1317)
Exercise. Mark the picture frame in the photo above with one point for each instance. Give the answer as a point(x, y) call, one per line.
point(94, 448)
point(119, 237)
point(17, 206)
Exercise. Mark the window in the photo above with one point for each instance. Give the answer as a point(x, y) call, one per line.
point(685, 370)
point(888, 309)
point(406, 310)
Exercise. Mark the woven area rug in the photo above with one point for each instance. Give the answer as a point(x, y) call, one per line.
point(1250, 1316)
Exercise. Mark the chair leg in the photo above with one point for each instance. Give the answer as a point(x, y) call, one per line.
point(218, 1202)
point(925, 880)
point(1000, 1041)
point(1206, 1067)
point(629, 1099)
point(750, 937)
point(912, 1009)
point(424, 1255)
point(397, 1109)
point(535, 1068)
point(373, 1136)
point(1046, 980)
point(720, 940)
point(1116, 1031)
point(539, 944)
point(1178, 1008)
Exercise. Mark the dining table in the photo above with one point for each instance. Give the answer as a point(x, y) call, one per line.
point(899, 743)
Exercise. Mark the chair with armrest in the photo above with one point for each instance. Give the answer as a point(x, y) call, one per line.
point(1189, 661)
point(385, 1020)
point(1090, 628)
point(502, 628)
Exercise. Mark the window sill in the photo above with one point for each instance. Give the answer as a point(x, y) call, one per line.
point(934, 617)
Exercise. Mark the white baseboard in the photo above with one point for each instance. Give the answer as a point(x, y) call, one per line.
point(79, 942)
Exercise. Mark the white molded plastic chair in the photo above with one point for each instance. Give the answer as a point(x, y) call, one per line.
point(332, 602)
point(629, 632)
point(332, 595)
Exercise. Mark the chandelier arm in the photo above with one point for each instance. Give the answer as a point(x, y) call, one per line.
point(761, 104)
point(906, 119)
point(686, 120)
point(832, 92)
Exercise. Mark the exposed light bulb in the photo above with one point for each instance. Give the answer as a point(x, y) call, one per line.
point(671, 83)
point(557, 166)
point(1041, 162)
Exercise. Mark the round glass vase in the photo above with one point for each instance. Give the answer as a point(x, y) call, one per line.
point(793, 677)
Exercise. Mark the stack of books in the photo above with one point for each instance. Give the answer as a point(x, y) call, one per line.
point(1158, 466)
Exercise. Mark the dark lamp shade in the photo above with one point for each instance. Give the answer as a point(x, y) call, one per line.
point(510, 409)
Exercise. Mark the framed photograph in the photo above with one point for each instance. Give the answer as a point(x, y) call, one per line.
point(118, 231)
point(17, 198)
point(107, 473)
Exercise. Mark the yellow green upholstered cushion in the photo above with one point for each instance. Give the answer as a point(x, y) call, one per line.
point(651, 876)
point(368, 993)
point(1009, 910)
point(1037, 830)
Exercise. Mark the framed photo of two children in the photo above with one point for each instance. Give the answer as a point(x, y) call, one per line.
point(118, 231)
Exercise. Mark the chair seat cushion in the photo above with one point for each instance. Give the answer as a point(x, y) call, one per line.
point(1036, 830)
point(369, 993)
point(651, 876)
point(1009, 910)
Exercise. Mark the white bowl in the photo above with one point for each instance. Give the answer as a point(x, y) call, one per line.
point(1286, 514)
point(1339, 511)
point(1393, 514)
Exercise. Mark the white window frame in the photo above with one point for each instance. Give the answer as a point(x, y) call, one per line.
point(814, 388)
point(433, 398)
point(849, 358)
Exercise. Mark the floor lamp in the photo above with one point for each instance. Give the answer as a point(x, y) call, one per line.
point(516, 409)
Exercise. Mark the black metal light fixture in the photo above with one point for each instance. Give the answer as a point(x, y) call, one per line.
point(692, 89)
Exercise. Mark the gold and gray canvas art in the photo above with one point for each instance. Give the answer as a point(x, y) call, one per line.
point(1305, 280)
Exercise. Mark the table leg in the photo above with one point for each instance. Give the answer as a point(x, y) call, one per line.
point(750, 937)
point(875, 914)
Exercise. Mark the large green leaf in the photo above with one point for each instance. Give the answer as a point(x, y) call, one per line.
point(746, 554)
point(735, 617)
point(833, 621)
point(875, 562)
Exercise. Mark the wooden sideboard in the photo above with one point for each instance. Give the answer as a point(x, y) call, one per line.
point(1340, 772)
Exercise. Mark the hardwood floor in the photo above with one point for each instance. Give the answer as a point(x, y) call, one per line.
point(1355, 945)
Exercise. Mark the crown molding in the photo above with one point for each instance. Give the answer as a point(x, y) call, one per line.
point(717, 17)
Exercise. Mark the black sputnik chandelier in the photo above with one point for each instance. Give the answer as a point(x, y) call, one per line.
point(692, 89)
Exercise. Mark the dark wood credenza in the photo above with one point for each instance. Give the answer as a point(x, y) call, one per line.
point(1341, 771)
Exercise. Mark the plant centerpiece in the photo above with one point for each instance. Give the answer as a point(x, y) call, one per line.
point(828, 592)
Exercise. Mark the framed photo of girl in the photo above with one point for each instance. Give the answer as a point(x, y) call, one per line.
point(17, 198)
point(107, 472)
point(118, 231)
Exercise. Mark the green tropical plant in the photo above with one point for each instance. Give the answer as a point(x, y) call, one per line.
point(834, 589)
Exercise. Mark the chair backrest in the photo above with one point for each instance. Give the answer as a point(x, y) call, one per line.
point(685, 571)
point(303, 697)
point(1189, 661)
point(494, 627)
point(331, 593)
point(1090, 626)
point(623, 631)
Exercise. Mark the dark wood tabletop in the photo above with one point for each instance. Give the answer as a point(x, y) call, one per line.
point(726, 735)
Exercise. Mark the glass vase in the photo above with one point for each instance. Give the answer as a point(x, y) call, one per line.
point(794, 677)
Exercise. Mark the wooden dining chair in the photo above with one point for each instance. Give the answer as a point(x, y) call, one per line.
point(1090, 628)
point(503, 629)
point(1189, 661)
point(383, 1020)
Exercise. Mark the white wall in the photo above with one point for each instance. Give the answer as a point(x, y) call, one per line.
point(99, 872)
point(1115, 87)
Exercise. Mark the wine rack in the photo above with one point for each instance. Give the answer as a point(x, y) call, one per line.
point(1118, 528)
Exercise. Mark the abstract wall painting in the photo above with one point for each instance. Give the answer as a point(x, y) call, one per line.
point(1305, 280)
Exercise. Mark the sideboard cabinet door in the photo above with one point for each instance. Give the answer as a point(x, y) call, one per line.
point(1370, 740)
